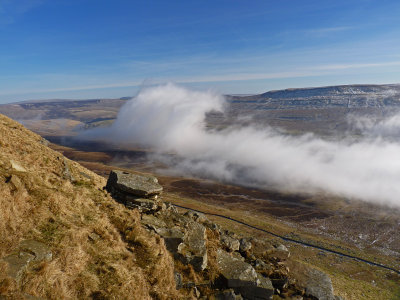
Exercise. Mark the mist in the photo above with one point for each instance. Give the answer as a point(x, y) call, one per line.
point(170, 119)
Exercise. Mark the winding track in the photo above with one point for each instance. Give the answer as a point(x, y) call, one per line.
point(296, 241)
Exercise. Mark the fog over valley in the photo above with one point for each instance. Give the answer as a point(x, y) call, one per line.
point(171, 119)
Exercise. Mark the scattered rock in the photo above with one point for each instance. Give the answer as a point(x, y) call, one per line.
point(280, 253)
point(230, 243)
point(199, 217)
point(260, 265)
point(185, 238)
point(242, 277)
point(245, 245)
point(282, 248)
point(16, 166)
point(214, 227)
point(27, 251)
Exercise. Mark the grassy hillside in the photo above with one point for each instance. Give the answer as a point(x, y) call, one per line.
point(99, 250)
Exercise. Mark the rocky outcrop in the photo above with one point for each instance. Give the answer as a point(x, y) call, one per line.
point(133, 184)
point(184, 237)
point(246, 268)
point(243, 278)
point(135, 191)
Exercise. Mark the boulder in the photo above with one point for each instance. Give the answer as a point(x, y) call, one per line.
point(27, 251)
point(194, 246)
point(280, 253)
point(242, 277)
point(184, 238)
point(230, 243)
point(245, 245)
point(133, 184)
point(263, 290)
point(317, 284)
point(236, 273)
point(173, 238)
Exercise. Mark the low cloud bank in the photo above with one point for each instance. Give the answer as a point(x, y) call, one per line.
point(170, 119)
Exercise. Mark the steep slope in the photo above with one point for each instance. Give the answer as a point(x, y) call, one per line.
point(95, 247)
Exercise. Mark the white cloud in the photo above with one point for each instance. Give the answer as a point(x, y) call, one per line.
point(170, 119)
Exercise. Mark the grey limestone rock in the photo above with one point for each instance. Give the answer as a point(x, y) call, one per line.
point(194, 246)
point(27, 251)
point(245, 245)
point(153, 222)
point(173, 238)
point(236, 272)
point(133, 184)
point(230, 243)
point(263, 290)
point(318, 284)
point(242, 277)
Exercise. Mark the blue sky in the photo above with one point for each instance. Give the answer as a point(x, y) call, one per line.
point(95, 48)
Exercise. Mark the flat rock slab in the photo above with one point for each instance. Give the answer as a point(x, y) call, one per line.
point(194, 248)
point(27, 251)
point(237, 273)
point(263, 290)
point(319, 285)
point(138, 185)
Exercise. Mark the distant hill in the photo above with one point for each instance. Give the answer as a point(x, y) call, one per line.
point(322, 110)
point(349, 96)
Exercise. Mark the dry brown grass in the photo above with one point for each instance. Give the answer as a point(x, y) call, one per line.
point(123, 261)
